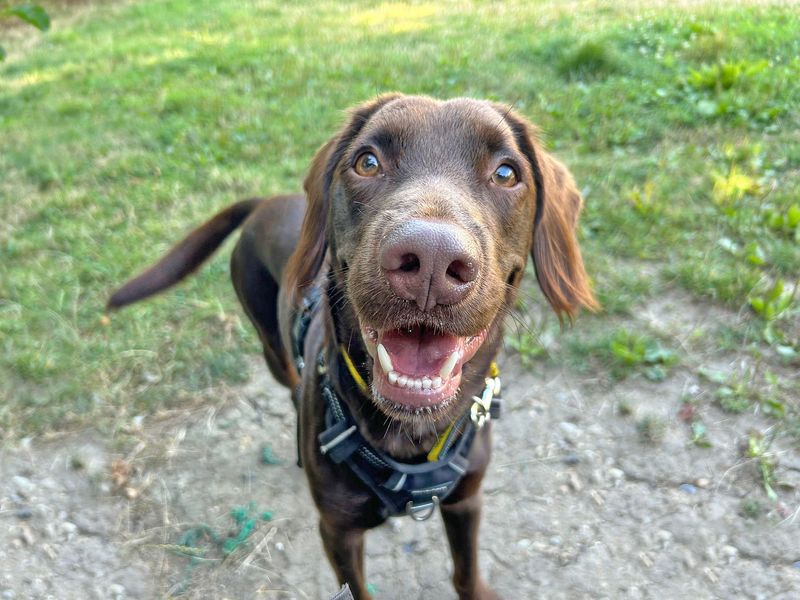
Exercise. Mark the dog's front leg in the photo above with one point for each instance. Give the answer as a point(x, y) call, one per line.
point(345, 550)
point(461, 521)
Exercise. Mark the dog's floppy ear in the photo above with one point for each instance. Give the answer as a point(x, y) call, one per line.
point(306, 261)
point(555, 251)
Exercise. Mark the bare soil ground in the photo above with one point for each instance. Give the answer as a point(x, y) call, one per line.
point(577, 504)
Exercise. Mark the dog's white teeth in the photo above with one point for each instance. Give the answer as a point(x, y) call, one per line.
point(449, 365)
point(383, 357)
point(412, 383)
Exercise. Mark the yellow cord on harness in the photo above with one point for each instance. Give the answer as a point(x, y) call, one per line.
point(353, 371)
point(433, 455)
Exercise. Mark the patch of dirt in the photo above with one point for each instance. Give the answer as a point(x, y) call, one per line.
point(578, 502)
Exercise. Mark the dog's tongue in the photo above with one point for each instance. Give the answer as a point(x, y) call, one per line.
point(419, 352)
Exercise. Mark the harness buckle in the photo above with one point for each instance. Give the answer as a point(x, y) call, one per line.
point(338, 442)
point(422, 512)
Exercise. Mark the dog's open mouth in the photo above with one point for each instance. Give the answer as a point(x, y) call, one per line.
point(417, 368)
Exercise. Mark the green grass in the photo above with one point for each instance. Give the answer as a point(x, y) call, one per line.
point(127, 123)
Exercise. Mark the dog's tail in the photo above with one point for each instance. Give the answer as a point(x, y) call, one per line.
point(186, 256)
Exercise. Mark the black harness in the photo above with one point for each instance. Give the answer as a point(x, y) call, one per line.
point(414, 489)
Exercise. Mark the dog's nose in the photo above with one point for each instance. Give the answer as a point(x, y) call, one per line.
point(429, 262)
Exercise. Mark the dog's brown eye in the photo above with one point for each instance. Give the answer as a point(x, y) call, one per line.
point(505, 176)
point(367, 165)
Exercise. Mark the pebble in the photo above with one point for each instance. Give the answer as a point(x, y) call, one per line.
point(24, 513)
point(571, 459)
point(26, 535)
point(702, 482)
point(597, 430)
point(279, 547)
point(664, 536)
point(570, 431)
point(596, 477)
point(24, 485)
point(67, 528)
point(50, 484)
point(117, 590)
point(616, 474)
point(688, 488)
point(574, 482)
point(48, 550)
point(730, 552)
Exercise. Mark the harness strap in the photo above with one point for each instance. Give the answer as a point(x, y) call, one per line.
point(301, 324)
point(402, 488)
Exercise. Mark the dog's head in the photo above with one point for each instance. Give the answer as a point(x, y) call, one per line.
point(426, 212)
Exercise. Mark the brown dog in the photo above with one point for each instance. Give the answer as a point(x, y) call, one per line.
point(413, 234)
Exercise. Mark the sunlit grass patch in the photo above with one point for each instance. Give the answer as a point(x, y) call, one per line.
point(397, 17)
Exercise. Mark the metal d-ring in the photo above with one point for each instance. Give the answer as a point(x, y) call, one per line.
point(415, 511)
